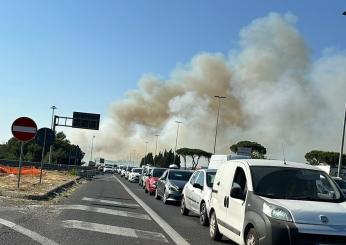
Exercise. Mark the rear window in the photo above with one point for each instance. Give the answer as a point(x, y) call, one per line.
point(157, 172)
point(137, 170)
point(179, 175)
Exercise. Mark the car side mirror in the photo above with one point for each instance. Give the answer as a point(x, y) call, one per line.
point(198, 186)
point(237, 192)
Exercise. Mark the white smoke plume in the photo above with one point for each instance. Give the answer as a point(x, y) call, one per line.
point(275, 95)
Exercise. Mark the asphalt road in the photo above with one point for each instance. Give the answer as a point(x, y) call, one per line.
point(102, 211)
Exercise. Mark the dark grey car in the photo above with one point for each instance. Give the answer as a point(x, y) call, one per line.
point(171, 184)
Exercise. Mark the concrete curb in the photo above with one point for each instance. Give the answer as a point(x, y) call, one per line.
point(44, 196)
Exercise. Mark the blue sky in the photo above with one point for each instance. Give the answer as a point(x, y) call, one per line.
point(81, 55)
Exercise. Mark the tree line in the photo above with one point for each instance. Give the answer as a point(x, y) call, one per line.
point(63, 151)
point(257, 151)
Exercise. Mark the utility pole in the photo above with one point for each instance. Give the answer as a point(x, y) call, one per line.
point(92, 148)
point(217, 119)
point(176, 140)
point(342, 143)
point(146, 150)
point(157, 138)
point(53, 108)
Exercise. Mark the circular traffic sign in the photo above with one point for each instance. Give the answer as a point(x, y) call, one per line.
point(45, 137)
point(24, 129)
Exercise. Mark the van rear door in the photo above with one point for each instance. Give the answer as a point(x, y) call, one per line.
point(237, 203)
point(222, 196)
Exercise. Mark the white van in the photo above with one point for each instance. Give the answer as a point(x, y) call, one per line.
point(217, 160)
point(276, 203)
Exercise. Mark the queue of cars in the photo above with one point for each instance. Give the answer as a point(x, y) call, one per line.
point(255, 202)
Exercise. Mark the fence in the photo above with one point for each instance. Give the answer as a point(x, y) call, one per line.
point(83, 171)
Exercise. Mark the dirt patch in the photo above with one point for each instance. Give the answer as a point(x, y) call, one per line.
point(30, 184)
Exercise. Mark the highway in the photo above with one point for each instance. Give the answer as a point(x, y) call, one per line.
point(105, 210)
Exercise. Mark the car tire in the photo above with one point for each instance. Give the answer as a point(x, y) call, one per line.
point(251, 237)
point(157, 197)
point(203, 215)
point(214, 229)
point(183, 210)
point(164, 199)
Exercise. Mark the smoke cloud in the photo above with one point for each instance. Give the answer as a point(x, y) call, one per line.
point(275, 95)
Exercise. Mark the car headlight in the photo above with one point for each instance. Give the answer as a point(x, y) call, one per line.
point(173, 188)
point(277, 212)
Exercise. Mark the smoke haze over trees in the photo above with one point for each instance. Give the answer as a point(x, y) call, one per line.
point(276, 94)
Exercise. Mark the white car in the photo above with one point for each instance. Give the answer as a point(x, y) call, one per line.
point(134, 174)
point(276, 202)
point(127, 171)
point(197, 193)
point(108, 168)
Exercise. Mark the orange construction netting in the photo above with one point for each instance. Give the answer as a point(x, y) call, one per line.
point(25, 170)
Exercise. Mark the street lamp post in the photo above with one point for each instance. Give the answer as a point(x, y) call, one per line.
point(157, 138)
point(92, 148)
point(342, 143)
point(176, 140)
point(53, 108)
point(146, 151)
point(217, 119)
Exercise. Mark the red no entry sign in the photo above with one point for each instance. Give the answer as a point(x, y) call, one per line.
point(24, 129)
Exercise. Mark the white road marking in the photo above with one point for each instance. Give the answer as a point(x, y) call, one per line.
point(114, 230)
point(110, 202)
point(33, 235)
point(175, 236)
point(24, 129)
point(104, 211)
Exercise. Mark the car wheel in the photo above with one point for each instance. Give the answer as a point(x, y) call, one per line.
point(214, 229)
point(251, 237)
point(183, 210)
point(203, 216)
point(164, 199)
point(157, 197)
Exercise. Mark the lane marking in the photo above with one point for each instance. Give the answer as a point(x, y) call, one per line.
point(114, 230)
point(110, 202)
point(33, 235)
point(175, 236)
point(103, 211)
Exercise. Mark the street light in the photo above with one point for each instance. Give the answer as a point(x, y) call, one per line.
point(217, 119)
point(146, 150)
point(176, 140)
point(157, 138)
point(92, 147)
point(53, 108)
point(342, 143)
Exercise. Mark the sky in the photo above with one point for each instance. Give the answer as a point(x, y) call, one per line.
point(84, 55)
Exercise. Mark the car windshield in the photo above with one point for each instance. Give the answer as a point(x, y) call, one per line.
point(341, 183)
point(210, 178)
point(179, 175)
point(294, 184)
point(157, 172)
point(129, 168)
point(137, 170)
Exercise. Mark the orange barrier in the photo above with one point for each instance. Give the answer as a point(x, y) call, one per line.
point(25, 170)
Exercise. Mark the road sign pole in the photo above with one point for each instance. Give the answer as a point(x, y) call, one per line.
point(43, 150)
point(20, 162)
point(51, 147)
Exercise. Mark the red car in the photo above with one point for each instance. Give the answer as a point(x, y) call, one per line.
point(150, 183)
